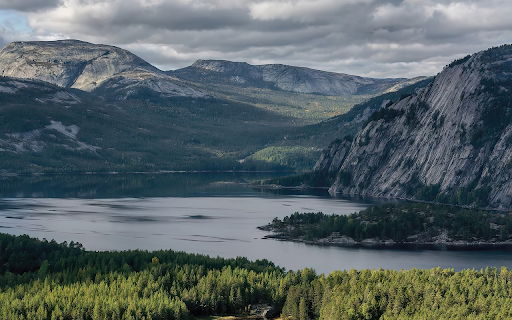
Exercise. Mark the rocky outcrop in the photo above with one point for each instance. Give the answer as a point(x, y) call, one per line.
point(40, 91)
point(82, 65)
point(449, 142)
point(288, 78)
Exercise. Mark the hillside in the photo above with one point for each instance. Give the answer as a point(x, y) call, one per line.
point(450, 142)
point(284, 77)
point(46, 128)
point(302, 146)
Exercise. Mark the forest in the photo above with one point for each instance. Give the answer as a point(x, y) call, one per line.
point(41, 279)
point(405, 222)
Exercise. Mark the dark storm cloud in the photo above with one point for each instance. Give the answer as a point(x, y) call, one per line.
point(175, 16)
point(368, 37)
point(29, 5)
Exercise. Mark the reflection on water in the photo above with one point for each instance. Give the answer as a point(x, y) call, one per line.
point(198, 213)
point(182, 184)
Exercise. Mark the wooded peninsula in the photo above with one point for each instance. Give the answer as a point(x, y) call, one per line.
point(389, 224)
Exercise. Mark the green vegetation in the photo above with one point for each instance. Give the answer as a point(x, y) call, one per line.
point(497, 114)
point(410, 222)
point(47, 280)
point(319, 135)
point(459, 61)
point(386, 114)
point(315, 179)
point(304, 108)
point(302, 158)
point(470, 195)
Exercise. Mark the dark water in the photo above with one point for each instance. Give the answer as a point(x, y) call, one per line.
point(214, 214)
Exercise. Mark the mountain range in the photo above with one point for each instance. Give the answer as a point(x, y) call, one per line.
point(283, 77)
point(75, 106)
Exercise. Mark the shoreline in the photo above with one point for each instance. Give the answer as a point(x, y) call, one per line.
point(392, 245)
point(9, 174)
point(334, 194)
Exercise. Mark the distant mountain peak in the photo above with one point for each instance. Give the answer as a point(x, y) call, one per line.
point(284, 77)
point(83, 65)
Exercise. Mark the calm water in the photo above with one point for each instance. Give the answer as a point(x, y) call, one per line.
point(214, 214)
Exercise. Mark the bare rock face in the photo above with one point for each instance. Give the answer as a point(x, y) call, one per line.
point(450, 142)
point(287, 78)
point(76, 64)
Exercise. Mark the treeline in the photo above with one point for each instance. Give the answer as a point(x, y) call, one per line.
point(399, 222)
point(48, 280)
point(315, 179)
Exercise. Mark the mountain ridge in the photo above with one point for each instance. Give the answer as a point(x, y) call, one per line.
point(450, 142)
point(284, 77)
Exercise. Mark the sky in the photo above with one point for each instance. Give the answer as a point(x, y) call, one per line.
point(375, 38)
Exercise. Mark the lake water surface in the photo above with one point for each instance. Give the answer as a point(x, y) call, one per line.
point(213, 214)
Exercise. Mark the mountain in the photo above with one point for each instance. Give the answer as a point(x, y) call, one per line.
point(449, 142)
point(86, 66)
point(47, 128)
point(284, 77)
point(73, 106)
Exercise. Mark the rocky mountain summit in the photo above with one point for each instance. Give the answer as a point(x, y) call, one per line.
point(86, 66)
point(287, 78)
point(449, 142)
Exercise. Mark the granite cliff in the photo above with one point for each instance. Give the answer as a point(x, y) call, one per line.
point(86, 66)
point(449, 142)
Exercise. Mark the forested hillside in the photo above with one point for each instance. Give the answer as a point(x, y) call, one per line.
point(47, 280)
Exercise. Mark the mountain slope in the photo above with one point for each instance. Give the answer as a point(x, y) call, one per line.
point(85, 66)
point(302, 146)
point(283, 77)
point(450, 142)
point(46, 128)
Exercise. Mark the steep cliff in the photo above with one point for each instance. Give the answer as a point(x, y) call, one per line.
point(449, 142)
point(85, 66)
point(287, 78)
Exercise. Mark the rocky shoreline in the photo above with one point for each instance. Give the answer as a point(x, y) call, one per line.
point(441, 241)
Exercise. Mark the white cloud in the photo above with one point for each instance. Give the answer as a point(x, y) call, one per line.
point(385, 38)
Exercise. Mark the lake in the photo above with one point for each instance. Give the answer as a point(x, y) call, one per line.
point(208, 213)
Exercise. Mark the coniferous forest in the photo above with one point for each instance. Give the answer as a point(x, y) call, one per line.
point(50, 280)
point(413, 222)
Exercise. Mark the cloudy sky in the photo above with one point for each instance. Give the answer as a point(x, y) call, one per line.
point(378, 38)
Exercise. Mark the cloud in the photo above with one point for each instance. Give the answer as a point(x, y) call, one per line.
point(29, 5)
point(380, 38)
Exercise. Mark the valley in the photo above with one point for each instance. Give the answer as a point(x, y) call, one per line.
point(128, 116)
